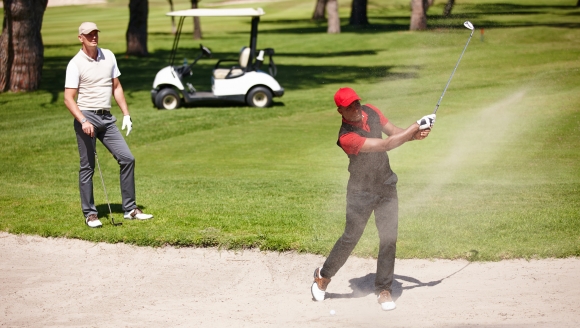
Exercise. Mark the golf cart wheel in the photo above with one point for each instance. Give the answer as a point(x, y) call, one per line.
point(167, 99)
point(259, 97)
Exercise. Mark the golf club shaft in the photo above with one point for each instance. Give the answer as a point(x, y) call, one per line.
point(103, 181)
point(449, 81)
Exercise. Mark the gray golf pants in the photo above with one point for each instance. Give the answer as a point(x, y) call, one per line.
point(110, 136)
point(359, 207)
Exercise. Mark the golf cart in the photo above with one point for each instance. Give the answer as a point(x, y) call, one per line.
point(241, 82)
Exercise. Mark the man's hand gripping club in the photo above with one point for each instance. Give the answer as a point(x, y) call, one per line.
point(426, 122)
point(425, 125)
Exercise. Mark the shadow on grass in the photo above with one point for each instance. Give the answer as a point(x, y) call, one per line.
point(138, 73)
point(510, 8)
point(473, 12)
point(117, 210)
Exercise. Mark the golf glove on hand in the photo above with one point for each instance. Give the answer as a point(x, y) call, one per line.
point(426, 122)
point(127, 124)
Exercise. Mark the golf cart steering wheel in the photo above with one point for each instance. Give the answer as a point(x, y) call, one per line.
point(271, 65)
point(183, 70)
point(205, 51)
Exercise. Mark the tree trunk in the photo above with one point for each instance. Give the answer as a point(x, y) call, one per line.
point(358, 13)
point(333, 17)
point(173, 28)
point(418, 15)
point(318, 14)
point(449, 7)
point(578, 3)
point(21, 48)
point(196, 22)
point(137, 31)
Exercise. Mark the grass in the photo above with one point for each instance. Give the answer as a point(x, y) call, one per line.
point(498, 178)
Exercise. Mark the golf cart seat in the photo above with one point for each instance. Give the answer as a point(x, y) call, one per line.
point(234, 71)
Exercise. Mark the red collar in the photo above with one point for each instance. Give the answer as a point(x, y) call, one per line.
point(362, 124)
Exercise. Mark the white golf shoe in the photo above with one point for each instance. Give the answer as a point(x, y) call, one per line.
point(386, 301)
point(93, 221)
point(319, 285)
point(136, 213)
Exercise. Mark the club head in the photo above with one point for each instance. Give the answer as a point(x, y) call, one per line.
point(115, 224)
point(468, 25)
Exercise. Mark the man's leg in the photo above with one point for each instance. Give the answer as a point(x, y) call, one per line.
point(387, 220)
point(111, 137)
point(359, 206)
point(87, 168)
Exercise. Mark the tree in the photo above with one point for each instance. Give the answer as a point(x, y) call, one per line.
point(21, 48)
point(319, 9)
point(449, 7)
point(196, 23)
point(333, 17)
point(137, 31)
point(419, 15)
point(358, 13)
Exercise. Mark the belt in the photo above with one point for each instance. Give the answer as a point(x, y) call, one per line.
point(99, 112)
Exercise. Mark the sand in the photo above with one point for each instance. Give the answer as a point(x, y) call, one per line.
point(48, 282)
point(54, 282)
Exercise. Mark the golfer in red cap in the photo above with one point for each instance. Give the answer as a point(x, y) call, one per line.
point(371, 187)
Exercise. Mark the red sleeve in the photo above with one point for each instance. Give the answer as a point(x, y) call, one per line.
point(382, 117)
point(351, 143)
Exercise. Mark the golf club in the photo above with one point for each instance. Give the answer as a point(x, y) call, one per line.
point(103, 182)
point(469, 26)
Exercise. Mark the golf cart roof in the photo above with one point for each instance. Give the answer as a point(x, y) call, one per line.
point(251, 12)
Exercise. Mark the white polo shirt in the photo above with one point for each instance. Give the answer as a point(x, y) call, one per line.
point(93, 79)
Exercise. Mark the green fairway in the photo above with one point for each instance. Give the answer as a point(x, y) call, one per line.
point(499, 176)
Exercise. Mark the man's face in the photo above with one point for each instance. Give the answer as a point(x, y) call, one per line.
point(91, 39)
point(352, 112)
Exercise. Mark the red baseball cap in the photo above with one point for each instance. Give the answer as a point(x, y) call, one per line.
point(345, 96)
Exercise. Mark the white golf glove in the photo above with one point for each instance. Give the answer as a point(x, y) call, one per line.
point(127, 124)
point(426, 122)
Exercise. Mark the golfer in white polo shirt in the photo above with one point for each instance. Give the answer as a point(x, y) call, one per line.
point(93, 75)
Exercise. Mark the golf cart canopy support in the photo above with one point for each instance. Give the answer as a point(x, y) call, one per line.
point(241, 12)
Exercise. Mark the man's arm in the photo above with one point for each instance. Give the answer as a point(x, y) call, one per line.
point(390, 129)
point(397, 137)
point(70, 103)
point(120, 99)
point(119, 96)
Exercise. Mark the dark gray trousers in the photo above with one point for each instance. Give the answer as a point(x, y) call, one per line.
point(111, 138)
point(359, 207)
